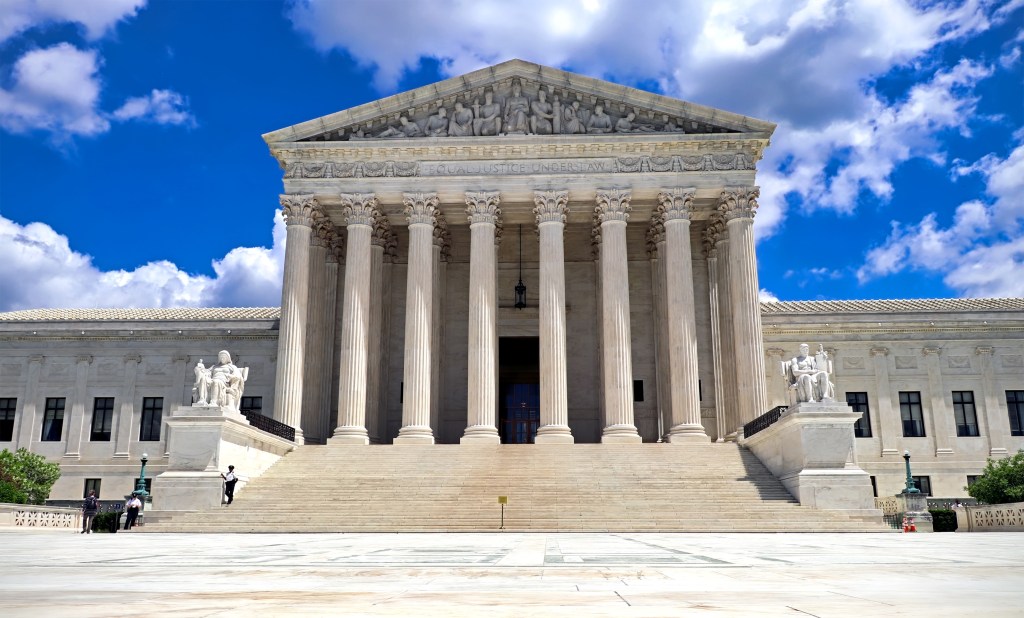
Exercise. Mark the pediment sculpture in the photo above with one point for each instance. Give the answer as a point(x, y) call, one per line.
point(807, 376)
point(221, 384)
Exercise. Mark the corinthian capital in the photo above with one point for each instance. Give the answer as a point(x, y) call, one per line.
point(676, 203)
point(359, 208)
point(551, 206)
point(420, 208)
point(300, 209)
point(613, 205)
point(482, 206)
point(381, 230)
point(738, 202)
point(323, 232)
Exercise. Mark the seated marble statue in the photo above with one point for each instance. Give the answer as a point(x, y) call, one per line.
point(571, 121)
point(543, 115)
point(600, 122)
point(807, 376)
point(405, 129)
point(626, 125)
point(225, 381)
point(437, 125)
point(488, 116)
point(517, 110)
point(461, 123)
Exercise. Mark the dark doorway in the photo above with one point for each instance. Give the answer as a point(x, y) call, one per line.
point(518, 389)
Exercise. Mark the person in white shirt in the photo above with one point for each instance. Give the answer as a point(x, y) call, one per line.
point(229, 483)
point(132, 508)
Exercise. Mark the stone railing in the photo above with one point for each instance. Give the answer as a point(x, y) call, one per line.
point(764, 421)
point(991, 518)
point(32, 516)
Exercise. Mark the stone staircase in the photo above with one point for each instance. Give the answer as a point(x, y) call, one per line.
point(565, 488)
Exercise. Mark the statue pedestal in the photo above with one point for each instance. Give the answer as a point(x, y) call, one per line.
point(202, 441)
point(811, 450)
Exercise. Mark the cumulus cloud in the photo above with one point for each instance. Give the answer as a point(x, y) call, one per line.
point(39, 269)
point(981, 251)
point(159, 106)
point(95, 18)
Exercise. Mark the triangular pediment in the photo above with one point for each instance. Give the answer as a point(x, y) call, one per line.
point(519, 98)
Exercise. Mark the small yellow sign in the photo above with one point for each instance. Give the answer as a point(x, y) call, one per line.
point(502, 499)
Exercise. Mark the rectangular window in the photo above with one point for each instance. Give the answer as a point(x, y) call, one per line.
point(913, 416)
point(923, 484)
point(152, 415)
point(102, 419)
point(91, 484)
point(638, 390)
point(859, 403)
point(1015, 405)
point(7, 406)
point(53, 420)
point(972, 479)
point(966, 417)
point(252, 405)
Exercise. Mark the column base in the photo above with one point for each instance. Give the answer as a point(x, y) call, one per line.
point(480, 434)
point(349, 435)
point(300, 439)
point(688, 433)
point(620, 434)
point(415, 434)
point(554, 434)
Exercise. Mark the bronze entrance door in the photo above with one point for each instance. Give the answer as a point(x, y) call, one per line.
point(518, 389)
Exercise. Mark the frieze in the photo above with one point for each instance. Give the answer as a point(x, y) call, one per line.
point(721, 162)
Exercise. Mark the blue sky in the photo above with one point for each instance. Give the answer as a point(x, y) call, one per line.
point(132, 171)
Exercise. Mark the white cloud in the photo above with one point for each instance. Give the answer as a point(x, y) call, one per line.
point(160, 107)
point(765, 296)
point(56, 90)
point(39, 269)
point(96, 17)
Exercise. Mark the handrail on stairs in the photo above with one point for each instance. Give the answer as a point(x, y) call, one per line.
point(269, 425)
point(764, 421)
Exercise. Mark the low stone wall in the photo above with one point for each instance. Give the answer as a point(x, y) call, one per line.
point(991, 518)
point(32, 516)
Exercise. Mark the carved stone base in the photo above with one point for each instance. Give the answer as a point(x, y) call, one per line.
point(687, 433)
point(349, 435)
point(480, 434)
point(620, 434)
point(415, 434)
point(554, 434)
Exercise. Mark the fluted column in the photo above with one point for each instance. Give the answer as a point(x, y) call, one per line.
point(77, 416)
point(676, 205)
point(313, 411)
point(996, 428)
point(730, 394)
point(613, 209)
point(126, 412)
point(327, 337)
point(942, 417)
point(656, 255)
point(420, 209)
point(442, 251)
point(738, 205)
point(374, 384)
point(891, 434)
point(360, 211)
point(300, 211)
point(550, 210)
point(711, 262)
point(595, 251)
point(482, 354)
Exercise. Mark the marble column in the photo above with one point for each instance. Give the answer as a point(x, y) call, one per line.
point(179, 369)
point(941, 416)
point(727, 331)
point(889, 421)
point(27, 418)
point(550, 209)
point(360, 211)
point(419, 209)
point(613, 209)
point(387, 282)
point(595, 251)
point(675, 209)
point(126, 412)
point(655, 254)
point(442, 251)
point(299, 211)
point(335, 250)
point(482, 354)
point(76, 419)
point(336, 318)
point(711, 261)
point(313, 408)
point(738, 205)
point(374, 384)
point(996, 428)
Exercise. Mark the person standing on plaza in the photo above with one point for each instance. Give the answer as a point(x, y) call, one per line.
point(90, 506)
point(132, 509)
point(229, 483)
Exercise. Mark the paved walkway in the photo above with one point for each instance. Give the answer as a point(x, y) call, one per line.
point(49, 573)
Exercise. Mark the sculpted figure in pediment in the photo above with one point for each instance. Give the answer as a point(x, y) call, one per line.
point(461, 124)
point(571, 121)
point(542, 119)
point(405, 128)
point(437, 125)
point(517, 110)
point(599, 122)
point(488, 116)
point(626, 125)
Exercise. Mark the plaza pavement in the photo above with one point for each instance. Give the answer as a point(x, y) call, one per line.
point(59, 573)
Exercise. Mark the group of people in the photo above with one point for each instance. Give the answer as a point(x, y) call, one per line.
point(518, 115)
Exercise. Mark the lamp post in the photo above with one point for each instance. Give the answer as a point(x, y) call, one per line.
point(910, 488)
point(140, 488)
